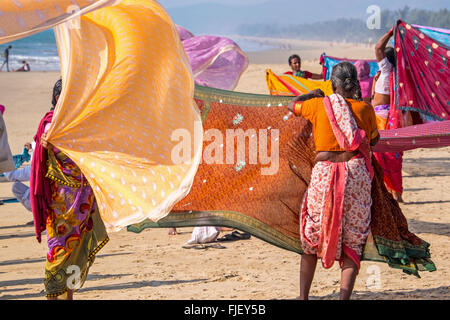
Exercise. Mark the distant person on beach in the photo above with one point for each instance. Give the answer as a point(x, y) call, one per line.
point(19, 189)
point(365, 80)
point(24, 68)
point(64, 205)
point(6, 56)
point(295, 62)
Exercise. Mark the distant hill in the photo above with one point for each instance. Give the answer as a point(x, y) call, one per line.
point(349, 29)
point(212, 18)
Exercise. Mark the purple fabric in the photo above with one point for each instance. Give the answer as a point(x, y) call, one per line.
point(216, 62)
point(184, 33)
point(77, 203)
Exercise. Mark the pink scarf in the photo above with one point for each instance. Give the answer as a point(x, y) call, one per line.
point(40, 193)
point(356, 139)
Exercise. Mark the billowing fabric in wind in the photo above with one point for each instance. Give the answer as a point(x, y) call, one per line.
point(289, 85)
point(330, 62)
point(217, 62)
point(421, 82)
point(127, 87)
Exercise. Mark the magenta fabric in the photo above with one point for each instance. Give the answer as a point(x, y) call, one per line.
point(216, 62)
point(40, 193)
point(430, 135)
point(2, 109)
point(392, 163)
point(422, 74)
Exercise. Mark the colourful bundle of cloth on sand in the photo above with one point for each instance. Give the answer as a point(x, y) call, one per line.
point(241, 196)
point(216, 62)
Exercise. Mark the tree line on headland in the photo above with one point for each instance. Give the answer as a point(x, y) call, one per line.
point(349, 29)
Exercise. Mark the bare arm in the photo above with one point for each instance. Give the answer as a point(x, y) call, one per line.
point(381, 45)
point(317, 93)
point(44, 143)
point(316, 76)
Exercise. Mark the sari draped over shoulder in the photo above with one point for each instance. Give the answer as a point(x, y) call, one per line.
point(40, 194)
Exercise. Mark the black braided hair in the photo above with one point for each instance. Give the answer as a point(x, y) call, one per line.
point(390, 55)
point(56, 92)
point(345, 77)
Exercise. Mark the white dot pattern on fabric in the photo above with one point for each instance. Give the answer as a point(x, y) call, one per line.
point(117, 114)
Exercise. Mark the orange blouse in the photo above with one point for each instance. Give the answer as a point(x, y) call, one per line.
point(314, 111)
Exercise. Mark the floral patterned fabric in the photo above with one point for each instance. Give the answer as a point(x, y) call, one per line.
point(74, 228)
point(357, 202)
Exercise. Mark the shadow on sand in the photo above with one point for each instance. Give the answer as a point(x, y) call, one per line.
point(417, 226)
point(426, 167)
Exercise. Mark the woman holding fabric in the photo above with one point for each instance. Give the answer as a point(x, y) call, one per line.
point(388, 116)
point(295, 62)
point(64, 205)
point(336, 210)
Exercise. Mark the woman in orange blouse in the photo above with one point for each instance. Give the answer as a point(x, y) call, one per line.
point(335, 217)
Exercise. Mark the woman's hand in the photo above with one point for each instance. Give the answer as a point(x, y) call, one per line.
point(44, 142)
point(317, 93)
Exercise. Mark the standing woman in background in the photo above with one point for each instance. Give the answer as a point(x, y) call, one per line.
point(382, 102)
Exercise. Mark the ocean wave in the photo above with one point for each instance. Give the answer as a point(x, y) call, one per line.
point(37, 63)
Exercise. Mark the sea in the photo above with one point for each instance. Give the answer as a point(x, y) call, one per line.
point(38, 50)
point(41, 53)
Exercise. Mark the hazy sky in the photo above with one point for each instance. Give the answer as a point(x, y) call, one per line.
point(179, 3)
point(400, 3)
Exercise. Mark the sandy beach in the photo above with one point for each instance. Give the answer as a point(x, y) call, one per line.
point(154, 265)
